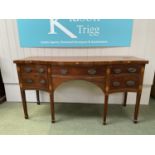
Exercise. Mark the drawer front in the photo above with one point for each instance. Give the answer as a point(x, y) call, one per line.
point(33, 82)
point(131, 82)
point(116, 83)
point(124, 82)
point(34, 76)
point(78, 71)
point(130, 69)
point(34, 69)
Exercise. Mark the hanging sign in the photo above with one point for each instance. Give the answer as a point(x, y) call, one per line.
point(74, 32)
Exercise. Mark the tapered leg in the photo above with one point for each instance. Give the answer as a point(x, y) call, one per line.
point(24, 103)
point(137, 107)
point(105, 108)
point(52, 107)
point(125, 98)
point(37, 95)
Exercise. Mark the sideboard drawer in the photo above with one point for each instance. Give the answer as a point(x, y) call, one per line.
point(34, 69)
point(78, 71)
point(35, 82)
point(131, 82)
point(123, 82)
point(116, 83)
point(119, 69)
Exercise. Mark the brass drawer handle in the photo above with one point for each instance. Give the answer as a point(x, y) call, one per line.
point(42, 81)
point(28, 69)
point(116, 84)
point(29, 81)
point(41, 70)
point(130, 83)
point(63, 71)
point(92, 71)
point(117, 71)
point(132, 70)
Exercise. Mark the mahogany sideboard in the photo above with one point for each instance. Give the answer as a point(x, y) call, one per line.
point(111, 74)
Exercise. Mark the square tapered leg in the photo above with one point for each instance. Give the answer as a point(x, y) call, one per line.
point(137, 107)
point(105, 108)
point(37, 96)
point(23, 95)
point(52, 107)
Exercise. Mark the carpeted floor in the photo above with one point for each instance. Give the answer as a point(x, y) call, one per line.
point(76, 119)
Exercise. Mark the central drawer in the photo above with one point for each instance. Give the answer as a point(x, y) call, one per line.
point(79, 70)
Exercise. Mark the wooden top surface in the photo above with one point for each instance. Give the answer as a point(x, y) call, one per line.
point(82, 60)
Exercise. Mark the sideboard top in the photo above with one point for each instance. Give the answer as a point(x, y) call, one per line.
point(81, 60)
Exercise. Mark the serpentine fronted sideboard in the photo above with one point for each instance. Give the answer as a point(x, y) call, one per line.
point(111, 74)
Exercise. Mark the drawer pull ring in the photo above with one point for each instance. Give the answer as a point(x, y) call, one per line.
point(116, 84)
point(64, 71)
point(28, 69)
point(42, 81)
point(29, 81)
point(130, 83)
point(117, 71)
point(41, 70)
point(132, 70)
point(92, 71)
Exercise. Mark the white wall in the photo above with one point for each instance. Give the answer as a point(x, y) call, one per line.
point(143, 45)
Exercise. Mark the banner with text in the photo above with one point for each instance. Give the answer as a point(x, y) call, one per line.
point(74, 32)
